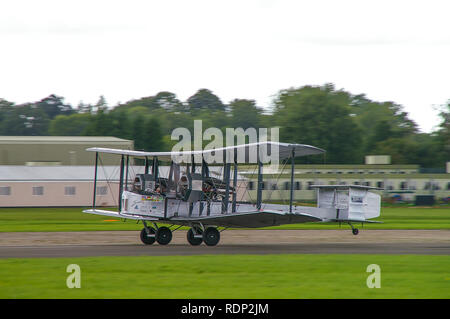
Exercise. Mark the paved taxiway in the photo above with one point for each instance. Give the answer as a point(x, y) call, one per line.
point(127, 243)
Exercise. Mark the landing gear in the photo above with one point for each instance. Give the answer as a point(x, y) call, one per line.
point(211, 236)
point(194, 236)
point(148, 235)
point(355, 231)
point(163, 235)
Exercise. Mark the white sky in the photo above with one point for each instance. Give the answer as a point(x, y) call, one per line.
point(390, 50)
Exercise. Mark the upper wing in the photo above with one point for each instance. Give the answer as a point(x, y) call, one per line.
point(248, 151)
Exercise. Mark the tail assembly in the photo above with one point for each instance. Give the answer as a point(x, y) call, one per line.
point(349, 203)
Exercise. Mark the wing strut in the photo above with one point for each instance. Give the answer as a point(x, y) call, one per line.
point(226, 174)
point(235, 167)
point(291, 198)
point(126, 172)
point(95, 180)
point(146, 165)
point(205, 171)
point(203, 194)
point(121, 182)
point(260, 184)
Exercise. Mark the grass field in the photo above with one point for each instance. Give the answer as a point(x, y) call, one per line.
point(228, 276)
point(72, 219)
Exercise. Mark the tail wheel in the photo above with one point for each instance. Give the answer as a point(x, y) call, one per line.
point(211, 236)
point(191, 239)
point(355, 231)
point(163, 235)
point(148, 238)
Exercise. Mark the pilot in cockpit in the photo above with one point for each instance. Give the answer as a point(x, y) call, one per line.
point(162, 188)
point(183, 185)
point(137, 188)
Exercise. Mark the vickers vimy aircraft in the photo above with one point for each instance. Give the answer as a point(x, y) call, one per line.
point(190, 196)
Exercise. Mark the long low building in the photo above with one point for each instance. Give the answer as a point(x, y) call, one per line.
point(64, 186)
point(44, 186)
point(403, 182)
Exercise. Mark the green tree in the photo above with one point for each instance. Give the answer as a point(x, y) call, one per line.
point(25, 120)
point(101, 104)
point(69, 125)
point(319, 116)
point(380, 121)
point(163, 100)
point(152, 135)
point(100, 125)
point(206, 100)
point(54, 105)
point(244, 113)
point(138, 133)
point(442, 135)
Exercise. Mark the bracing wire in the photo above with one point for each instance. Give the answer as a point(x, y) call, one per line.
point(108, 182)
point(276, 180)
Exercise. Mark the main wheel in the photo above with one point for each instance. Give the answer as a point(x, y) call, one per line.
point(163, 235)
point(211, 236)
point(355, 231)
point(191, 239)
point(148, 239)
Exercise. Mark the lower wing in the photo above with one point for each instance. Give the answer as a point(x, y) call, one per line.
point(243, 219)
point(251, 219)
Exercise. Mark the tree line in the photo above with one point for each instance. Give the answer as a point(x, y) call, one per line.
point(347, 126)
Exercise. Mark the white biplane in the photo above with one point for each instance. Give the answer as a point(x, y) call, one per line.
point(204, 203)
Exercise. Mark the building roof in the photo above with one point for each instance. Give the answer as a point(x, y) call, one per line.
point(61, 139)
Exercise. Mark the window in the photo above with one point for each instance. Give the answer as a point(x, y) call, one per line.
point(38, 190)
point(380, 184)
point(356, 183)
point(69, 190)
point(287, 185)
point(274, 186)
point(251, 185)
point(431, 186)
point(366, 183)
point(5, 190)
point(298, 186)
point(102, 190)
point(310, 184)
point(448, 186)
point(404, 185)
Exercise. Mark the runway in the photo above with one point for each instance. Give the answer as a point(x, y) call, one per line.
point(127, 243)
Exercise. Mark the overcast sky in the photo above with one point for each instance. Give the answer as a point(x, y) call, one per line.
point(390, 50)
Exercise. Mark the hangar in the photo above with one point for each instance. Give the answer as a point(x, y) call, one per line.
point(56, 150)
